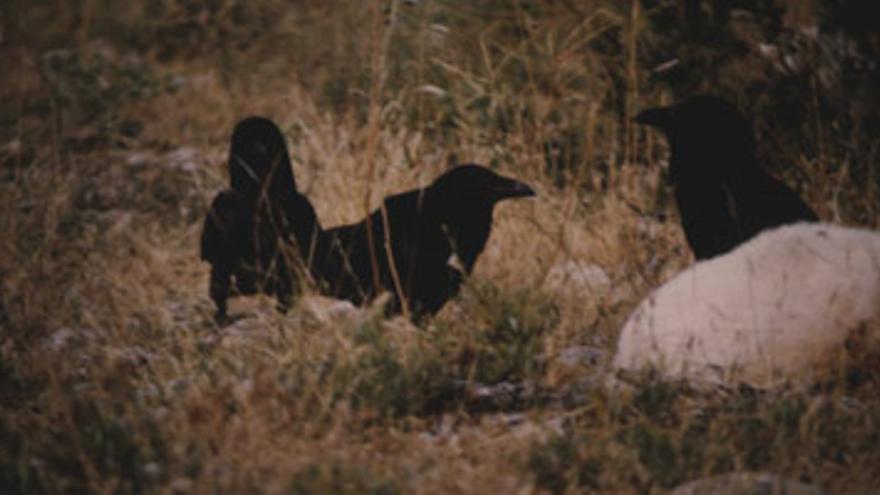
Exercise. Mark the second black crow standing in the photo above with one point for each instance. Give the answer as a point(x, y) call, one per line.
point(251, 230)
point(435, 234)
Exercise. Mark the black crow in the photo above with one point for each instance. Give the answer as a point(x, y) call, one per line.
point(252, 230)
point(724, 196)
point(434, 236)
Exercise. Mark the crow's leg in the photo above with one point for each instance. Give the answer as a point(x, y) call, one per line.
point(219, 292)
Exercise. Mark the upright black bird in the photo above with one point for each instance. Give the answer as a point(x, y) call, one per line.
point(724, 196)
point(435, 235)
point(252, 230)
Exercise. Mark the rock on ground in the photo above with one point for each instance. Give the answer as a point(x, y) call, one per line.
point(745, 484)
point(787, 306)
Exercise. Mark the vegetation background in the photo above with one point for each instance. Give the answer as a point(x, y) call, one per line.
point(114, 126)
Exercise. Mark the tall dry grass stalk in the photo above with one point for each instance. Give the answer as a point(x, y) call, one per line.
point(377, 85)
point(632, 81)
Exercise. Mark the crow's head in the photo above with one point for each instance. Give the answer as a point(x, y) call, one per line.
point(474, 185)
point(258, 159)
point(708, 138)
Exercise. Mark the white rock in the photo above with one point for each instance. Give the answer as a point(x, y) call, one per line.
point(152, 470)
point(181, 485)
point(326, 310)
point(60, 339)
point(184, 159)
point(740, 483)
point(138, 159)
point(577, 276)
point(580, 355)
point(777, 309)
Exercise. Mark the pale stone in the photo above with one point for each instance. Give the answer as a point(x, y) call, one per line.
point(745, 484)
point(777, 309)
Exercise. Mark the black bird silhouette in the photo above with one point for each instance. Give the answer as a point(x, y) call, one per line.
point(435, 235)
point(252, 230)
point(258, 231)
point(724, 196)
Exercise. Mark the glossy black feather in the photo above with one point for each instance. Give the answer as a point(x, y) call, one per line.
point(724, 196)
point(426, 227)
point(250, 235)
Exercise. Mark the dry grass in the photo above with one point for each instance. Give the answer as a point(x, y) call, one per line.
point(114, 378)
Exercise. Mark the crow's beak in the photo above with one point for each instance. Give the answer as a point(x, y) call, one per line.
point(510, 188)
point(659, 117)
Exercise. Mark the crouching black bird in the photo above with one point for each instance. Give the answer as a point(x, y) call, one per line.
point(251, 231)
point(724, 196)
point(433, 235)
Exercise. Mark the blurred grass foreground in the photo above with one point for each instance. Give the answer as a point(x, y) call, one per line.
point(114, 125)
